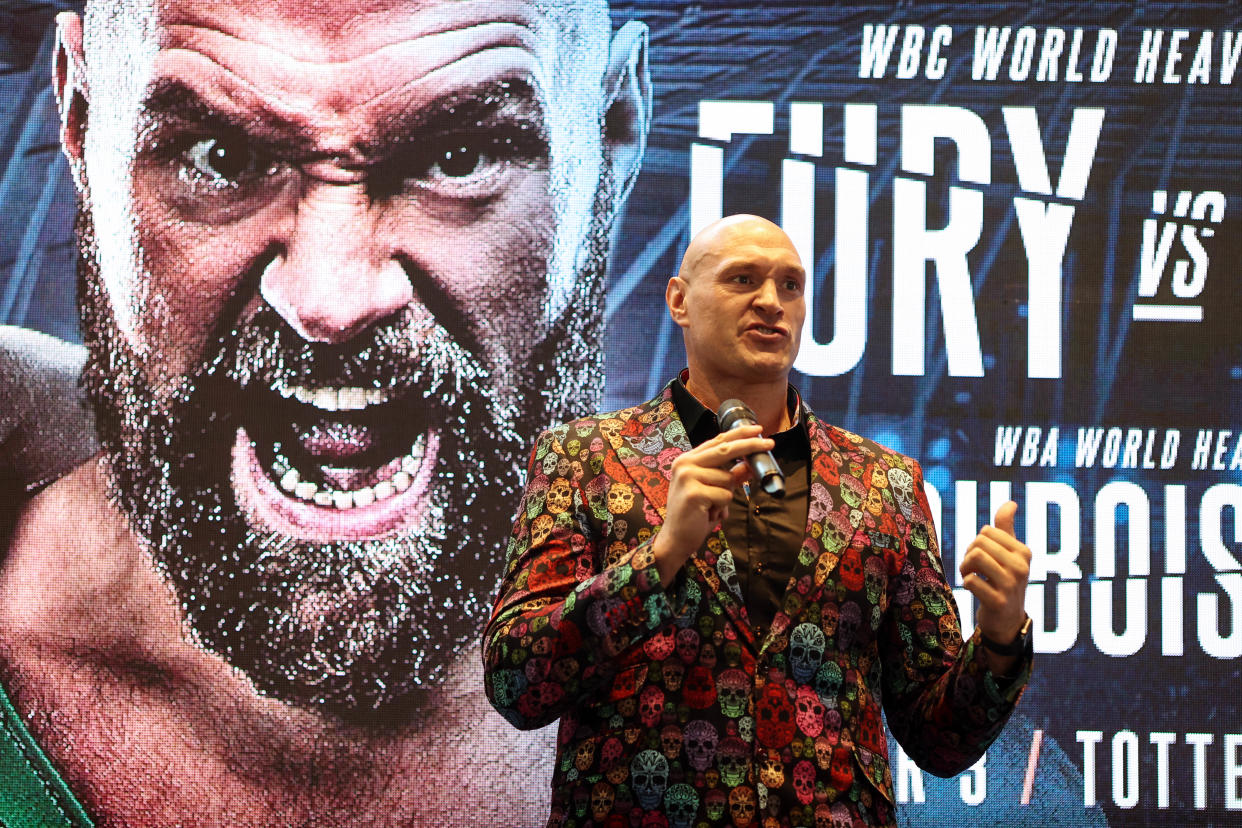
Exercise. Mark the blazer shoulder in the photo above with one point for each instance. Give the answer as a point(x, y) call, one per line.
point(863, 448)
point(606, 422)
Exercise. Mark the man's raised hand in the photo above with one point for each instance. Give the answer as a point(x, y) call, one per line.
point(995, 569)
point(701, 486)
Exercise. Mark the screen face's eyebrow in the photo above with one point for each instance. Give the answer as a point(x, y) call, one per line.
point(173, 107)
point(504, 98)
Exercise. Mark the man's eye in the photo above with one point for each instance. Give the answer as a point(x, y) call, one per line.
point(460, 161)
point(222, 161)
point(462, 158)
point(470, 165)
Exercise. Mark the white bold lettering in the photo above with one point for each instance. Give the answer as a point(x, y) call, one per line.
point(1105, 51)
point(1054, 43)
point(1030, 446)
point(908, 780)
point(1134, 633)
point(1222, 447)
point(1045, 232)
point(1023, 54)
point(942, 36)
point(1199, 742)
point(1148, 56)
point(1201, 66)
point(1230, 51)
point(1112, 448)
point(849, 304)
point(1174, 55)
point(1175, 529)
point(914, 244)
point(1072, 72)
point(1007, 440)
point(1088, 739)
point(1063, 633)
point(911, 52)
point(1111, 496)
point(1048, 457)
point(1172, 617)
point(1154, 254)
point(877, 45)
point(1203, 448)
point(1162, 741)
point(974, 784)
point(1044, 560)
point(1125, 769)
point(1168, 452)
point(1227, 568)
point(990, 46)
point(1233, 772)
point(1088, 446)
point(1130, 455)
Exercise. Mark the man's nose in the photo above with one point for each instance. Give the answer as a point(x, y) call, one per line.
point(335, 277)
point(768, 297)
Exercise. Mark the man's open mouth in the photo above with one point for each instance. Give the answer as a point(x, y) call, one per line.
point(333, 463)
point(767, 331)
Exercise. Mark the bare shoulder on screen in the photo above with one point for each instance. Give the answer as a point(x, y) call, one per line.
point(215, 751)
point(46, 425)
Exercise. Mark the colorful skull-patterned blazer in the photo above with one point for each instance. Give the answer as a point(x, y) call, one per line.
point(672, 710)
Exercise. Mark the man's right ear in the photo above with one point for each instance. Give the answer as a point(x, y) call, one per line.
point(675, 298)
point(69, 85)
point(627, 104)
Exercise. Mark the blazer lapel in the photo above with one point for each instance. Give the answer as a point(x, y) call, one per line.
point(646, 446)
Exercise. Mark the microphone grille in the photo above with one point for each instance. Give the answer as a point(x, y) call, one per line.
point(733, 413)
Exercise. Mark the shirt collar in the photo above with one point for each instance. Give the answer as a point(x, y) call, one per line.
point(700, 422)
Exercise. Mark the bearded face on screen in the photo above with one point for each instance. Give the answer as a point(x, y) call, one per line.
point(320, 341)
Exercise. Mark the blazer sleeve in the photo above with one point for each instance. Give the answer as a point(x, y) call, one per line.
point(566, 612)
point(942, 704)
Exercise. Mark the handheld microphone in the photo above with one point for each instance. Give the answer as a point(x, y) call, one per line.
point(734, 413)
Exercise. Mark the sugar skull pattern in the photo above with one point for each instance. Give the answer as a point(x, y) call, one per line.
point(673, 712)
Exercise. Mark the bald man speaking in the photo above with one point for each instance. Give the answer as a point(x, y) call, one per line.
point(719, 648)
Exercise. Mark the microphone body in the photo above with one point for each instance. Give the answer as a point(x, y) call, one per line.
point(734, 413)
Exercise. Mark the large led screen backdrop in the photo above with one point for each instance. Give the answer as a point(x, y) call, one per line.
point(1021, 221)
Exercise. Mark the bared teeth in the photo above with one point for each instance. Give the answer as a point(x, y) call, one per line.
point(347, 398)
point(325, 399)
point(407, 466)
point(351, 399)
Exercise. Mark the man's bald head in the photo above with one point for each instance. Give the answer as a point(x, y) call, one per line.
point(724, 234)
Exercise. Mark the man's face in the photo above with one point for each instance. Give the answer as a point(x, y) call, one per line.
point(325, 275)
point(740, 304)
